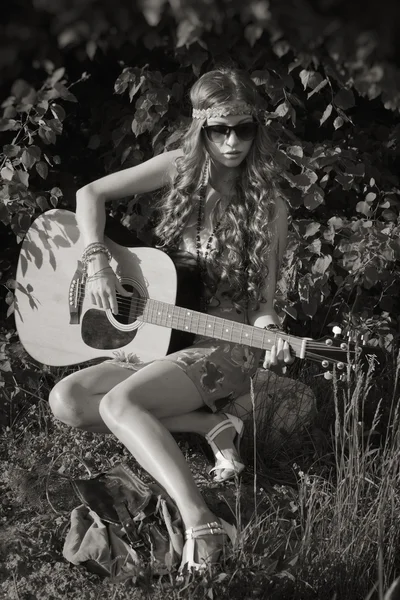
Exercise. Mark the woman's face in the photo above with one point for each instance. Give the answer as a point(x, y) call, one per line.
point(231, 150)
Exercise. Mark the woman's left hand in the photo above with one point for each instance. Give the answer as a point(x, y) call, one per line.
point(278, 357)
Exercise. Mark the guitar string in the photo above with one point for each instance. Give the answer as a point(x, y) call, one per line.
point(140, 303)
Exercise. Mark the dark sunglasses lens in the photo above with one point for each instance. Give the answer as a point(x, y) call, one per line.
point(246, 131)
point(216, 133)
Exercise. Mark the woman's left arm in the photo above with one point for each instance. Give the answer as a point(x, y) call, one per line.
point(266, 314)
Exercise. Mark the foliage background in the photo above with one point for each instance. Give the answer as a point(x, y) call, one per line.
point(92, 86)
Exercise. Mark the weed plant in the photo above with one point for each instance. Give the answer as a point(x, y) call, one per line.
point(317, 509)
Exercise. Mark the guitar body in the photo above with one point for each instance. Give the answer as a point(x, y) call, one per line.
point(58, 325)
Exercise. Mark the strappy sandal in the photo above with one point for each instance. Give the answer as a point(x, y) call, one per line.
point(219, 527)
point(222, 463)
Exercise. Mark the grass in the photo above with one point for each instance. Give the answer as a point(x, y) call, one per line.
point(317, 512)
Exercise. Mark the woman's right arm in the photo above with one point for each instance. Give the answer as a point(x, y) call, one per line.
point(148, 176)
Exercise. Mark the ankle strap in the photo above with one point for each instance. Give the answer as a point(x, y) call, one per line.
point(213, 528)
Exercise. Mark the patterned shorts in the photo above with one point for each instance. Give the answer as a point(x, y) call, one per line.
point(221, 371)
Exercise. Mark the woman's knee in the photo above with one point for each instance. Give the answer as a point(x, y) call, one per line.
point(67, 405)
point(114, 406)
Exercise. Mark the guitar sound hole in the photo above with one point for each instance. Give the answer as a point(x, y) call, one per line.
point(129, 307)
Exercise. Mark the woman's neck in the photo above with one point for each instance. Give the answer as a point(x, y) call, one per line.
point(221, 177)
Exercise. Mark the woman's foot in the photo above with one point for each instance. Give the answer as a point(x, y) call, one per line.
point(204, 544)
point(224, 439)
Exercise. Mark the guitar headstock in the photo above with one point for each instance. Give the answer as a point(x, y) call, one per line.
point(335, 351)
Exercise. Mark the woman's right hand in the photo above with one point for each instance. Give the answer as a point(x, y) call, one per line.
point(103, 285)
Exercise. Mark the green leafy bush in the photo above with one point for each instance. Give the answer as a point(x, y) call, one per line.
point(333, 98)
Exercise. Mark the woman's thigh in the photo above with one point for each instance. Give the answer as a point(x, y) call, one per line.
point(75, 399)
point(161, 387)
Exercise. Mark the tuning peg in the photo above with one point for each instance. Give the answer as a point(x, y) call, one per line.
point(336, 330)
point(325, 364)
point(340, 365)
point(328, 375)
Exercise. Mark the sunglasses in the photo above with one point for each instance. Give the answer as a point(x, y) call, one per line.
point(220, 133)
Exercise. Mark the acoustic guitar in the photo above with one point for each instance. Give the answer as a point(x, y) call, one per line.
point(58, 325)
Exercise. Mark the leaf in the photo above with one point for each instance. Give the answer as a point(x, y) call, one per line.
point(336, 222)
point(91, 48)
point(338, 122)
point(7, 124)
point(134, 86)
point(370, 197)
point(30, 156)
point(11, 150)
point(65, 94)
point(282, 110)
point(321, 264)
point(261, 77)
point(304, 180)
point(295, 151)
point(310, 79)
point(55, 191)
point(23, 176)
point(42, 203)
point(252, 33)
point(314, 198)
point(122, 81)
point(20, 89)
point(57, 75)
point(318, 88)
point(152, 10)
point(326, 114)
point(42, 169)
point(187, 33)
point(344, 99)
point(47, 135)
point(363, 207)
point(281, 48)
point(7, 173)
point(291, 311)
point(58, 111)
point(312, 229)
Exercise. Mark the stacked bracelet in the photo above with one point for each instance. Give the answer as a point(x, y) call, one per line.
point(92, 249)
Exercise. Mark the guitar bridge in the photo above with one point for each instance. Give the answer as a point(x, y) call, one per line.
point(76, 293)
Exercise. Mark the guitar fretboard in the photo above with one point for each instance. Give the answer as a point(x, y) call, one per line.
point(184, 319)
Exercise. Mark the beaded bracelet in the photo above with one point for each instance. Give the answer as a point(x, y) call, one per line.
point(91, 250)
point(273, 327)
point(94, 248)
point(97, 275)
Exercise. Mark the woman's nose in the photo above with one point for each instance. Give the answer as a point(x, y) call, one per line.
point(232, 141)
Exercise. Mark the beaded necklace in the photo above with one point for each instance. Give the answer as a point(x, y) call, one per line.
point(203, 255)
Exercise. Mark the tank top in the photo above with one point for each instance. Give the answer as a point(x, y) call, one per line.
point(219, 304)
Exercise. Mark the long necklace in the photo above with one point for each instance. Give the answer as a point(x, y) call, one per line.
point(202, 256)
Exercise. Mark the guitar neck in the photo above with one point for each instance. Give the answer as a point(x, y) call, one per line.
point(184, 319)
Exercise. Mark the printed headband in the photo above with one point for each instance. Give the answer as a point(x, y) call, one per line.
point(224, 111)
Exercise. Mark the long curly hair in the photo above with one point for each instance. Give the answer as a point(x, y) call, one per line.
point(246, 235)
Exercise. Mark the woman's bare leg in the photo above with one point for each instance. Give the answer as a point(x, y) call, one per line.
point(75, 401)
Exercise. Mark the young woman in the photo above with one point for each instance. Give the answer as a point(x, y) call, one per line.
point(222, 205)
